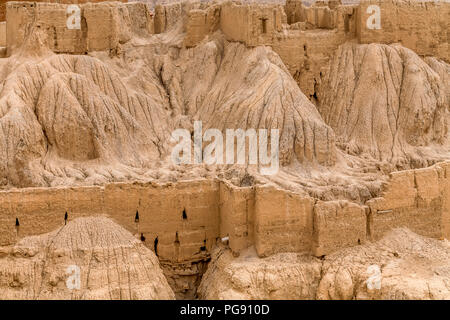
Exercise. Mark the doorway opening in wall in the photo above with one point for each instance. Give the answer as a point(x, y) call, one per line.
point(264, 25)
point(347, 22)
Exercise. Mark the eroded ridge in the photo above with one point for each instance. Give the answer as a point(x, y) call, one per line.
point(88, 113)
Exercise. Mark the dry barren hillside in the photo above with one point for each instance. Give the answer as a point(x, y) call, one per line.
point(112, 263)
point(408, 267)
point(357, 110)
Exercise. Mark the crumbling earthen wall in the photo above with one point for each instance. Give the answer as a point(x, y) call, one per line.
point(314, 33)
point(251, 24)
point(187, 209)
point(338, 224)
point(445, 189)
point(3, 4)
point(306, 55)
point(237, 215)
point(320, 15)
point(201, 23)
point(102, 26)
point(304, 37)
point(184, 216)
point(170, 15)
point(187, 218)
point(283, 221)
point(40, 210)
point(416, 199)
point(2, 34)
point(420, 26)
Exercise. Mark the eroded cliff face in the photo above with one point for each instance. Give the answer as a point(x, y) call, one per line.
point(363, 119)
point(77, 116)
point(107, 115)
point(402, 265)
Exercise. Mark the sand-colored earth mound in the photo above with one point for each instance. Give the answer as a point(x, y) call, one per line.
point(218, 81)
point(112, 265)
point(98, 104)
point(402, 265)
point(66, 114)
point(386, 101)
point(68, 119)
point(97, 118)
point(280, 276)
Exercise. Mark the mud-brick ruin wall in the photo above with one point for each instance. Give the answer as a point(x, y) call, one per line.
point(283, 221)
point(189, 217)
point(251, 24)
point(313, 33)
point(418, 199)
point(201, 23)
point(103, 26)
point(420, 26)
point(304, 37)
point(3, 4)
point(237, 215)
point(183, 216)
point(3, 34)
point(160, 207)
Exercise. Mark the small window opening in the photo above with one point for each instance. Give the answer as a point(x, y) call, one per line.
point(264, 25)
point(155, 246)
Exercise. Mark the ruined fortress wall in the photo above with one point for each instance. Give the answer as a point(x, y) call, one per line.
point(417, 199)
point(445, 189)
point(237, 214)
point(420, 26)
point(183, 216)
point(283, 221)
point(160, 207)
point(141, 18)
point(306, 55)
point(2, 34)
point(234, 22)
point(170, 15)
point(294, 11)
point(325, 27)
point(3, 4)
point(189, 217)
point(102, 26)
point(41, 210)
point(201, 23)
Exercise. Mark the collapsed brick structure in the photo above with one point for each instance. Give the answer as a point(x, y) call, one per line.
point(3, 4)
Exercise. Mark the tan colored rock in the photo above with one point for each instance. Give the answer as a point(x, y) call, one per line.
point(81, 110)
point(402, 265)
point(277, 104)
point(112, 264)
point(416, 199)
point(338, 225)
point(280, 276)
point(283, 222)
